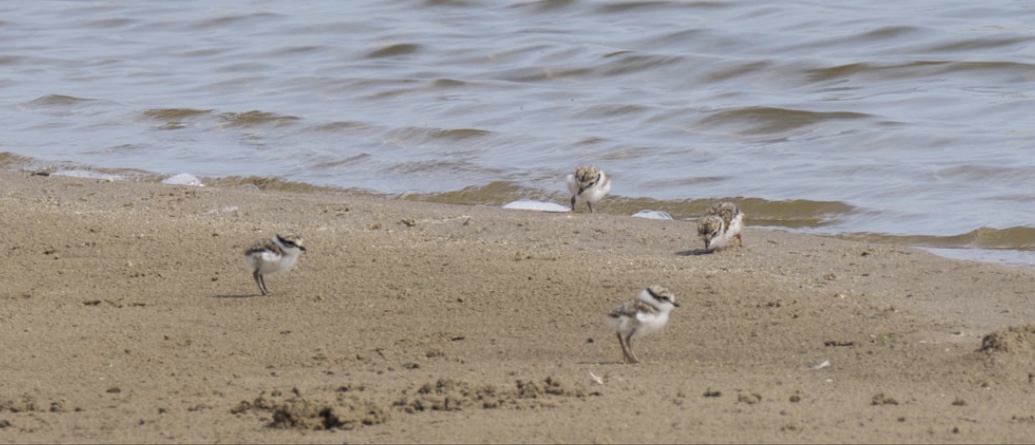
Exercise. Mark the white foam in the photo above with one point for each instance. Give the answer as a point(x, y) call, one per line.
point(652, 214)
point(89, 174)
point(184, 179)
point(540, 206)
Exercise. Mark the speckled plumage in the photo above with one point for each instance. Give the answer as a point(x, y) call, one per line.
point(588, 184)
point(272, 255)
point(721, 225)
point(647, 314)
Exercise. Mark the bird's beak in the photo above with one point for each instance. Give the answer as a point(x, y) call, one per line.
point(675, 304)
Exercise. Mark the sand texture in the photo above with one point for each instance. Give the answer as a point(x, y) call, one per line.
point(128, 317)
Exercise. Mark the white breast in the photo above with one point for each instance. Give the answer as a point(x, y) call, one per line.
point(651, 323)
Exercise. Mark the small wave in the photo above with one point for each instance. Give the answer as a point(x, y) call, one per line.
point(234, 20)
point(542, 6)
point(1019, 70)
point(609, 111)
point(340, 126)
point(1007, 257)
point(769, 120)
point(173, 114)
point(450, 83)
point(795, 212)
point(798, 213)
point(729, 71)
point(892, 38)
point(628, 7)
point(255, 117)
point(338, 162)
point(203, 52)
point(423, 134)
point(892, 33)
point(265, 183)
point(88, 174)
point(496, 193)
point(398, 49)
point(296, 50)
point(459, 133)
point(983, 44)
point(245, 68)
point(57, 99)
point(627, 62)
point(454, 3)
point(1011, 238)
point(914, 70)
point(9, 160)
point(111, 23)
point(839, 72)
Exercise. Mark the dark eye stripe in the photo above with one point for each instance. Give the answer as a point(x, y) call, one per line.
point(657, 296)
point(287, 242)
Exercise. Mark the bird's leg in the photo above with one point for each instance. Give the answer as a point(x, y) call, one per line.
point(632, 356)
point(625, 350)
point(573, 202)
point(260, 281)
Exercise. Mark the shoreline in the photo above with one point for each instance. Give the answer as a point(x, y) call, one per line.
point(130, 319)
point(1010, 246)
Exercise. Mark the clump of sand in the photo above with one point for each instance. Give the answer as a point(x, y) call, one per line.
point(337, 409)
point(455, 395)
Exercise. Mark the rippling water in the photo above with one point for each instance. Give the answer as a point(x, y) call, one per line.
point(905, 121)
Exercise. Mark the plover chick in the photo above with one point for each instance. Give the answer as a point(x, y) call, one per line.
point(588, 184)
point(721, 225)
point(272, 255)
point(647, 314)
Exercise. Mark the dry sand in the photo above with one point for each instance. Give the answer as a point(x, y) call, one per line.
point(128, 317)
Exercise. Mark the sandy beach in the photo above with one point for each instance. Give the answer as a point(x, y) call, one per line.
point(128, 317)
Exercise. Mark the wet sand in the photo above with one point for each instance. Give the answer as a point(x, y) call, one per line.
point(129, 317)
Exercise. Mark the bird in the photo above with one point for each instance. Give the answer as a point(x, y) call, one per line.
point(647, 314)
point(588, 184)
point(272, 255)
point(721, 225)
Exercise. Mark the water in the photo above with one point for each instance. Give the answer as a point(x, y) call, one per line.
point(906, 122)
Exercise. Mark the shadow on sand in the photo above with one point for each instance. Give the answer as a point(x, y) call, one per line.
point(694, 252)
point(237, 296)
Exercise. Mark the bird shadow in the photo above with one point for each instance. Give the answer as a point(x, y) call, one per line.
point(694, 252)
point(606, 362)
point(237, 296)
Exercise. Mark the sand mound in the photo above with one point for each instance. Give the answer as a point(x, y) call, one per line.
point(294, 411)
point(1009, 354)
point(1012, 340)
point(453, 395)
